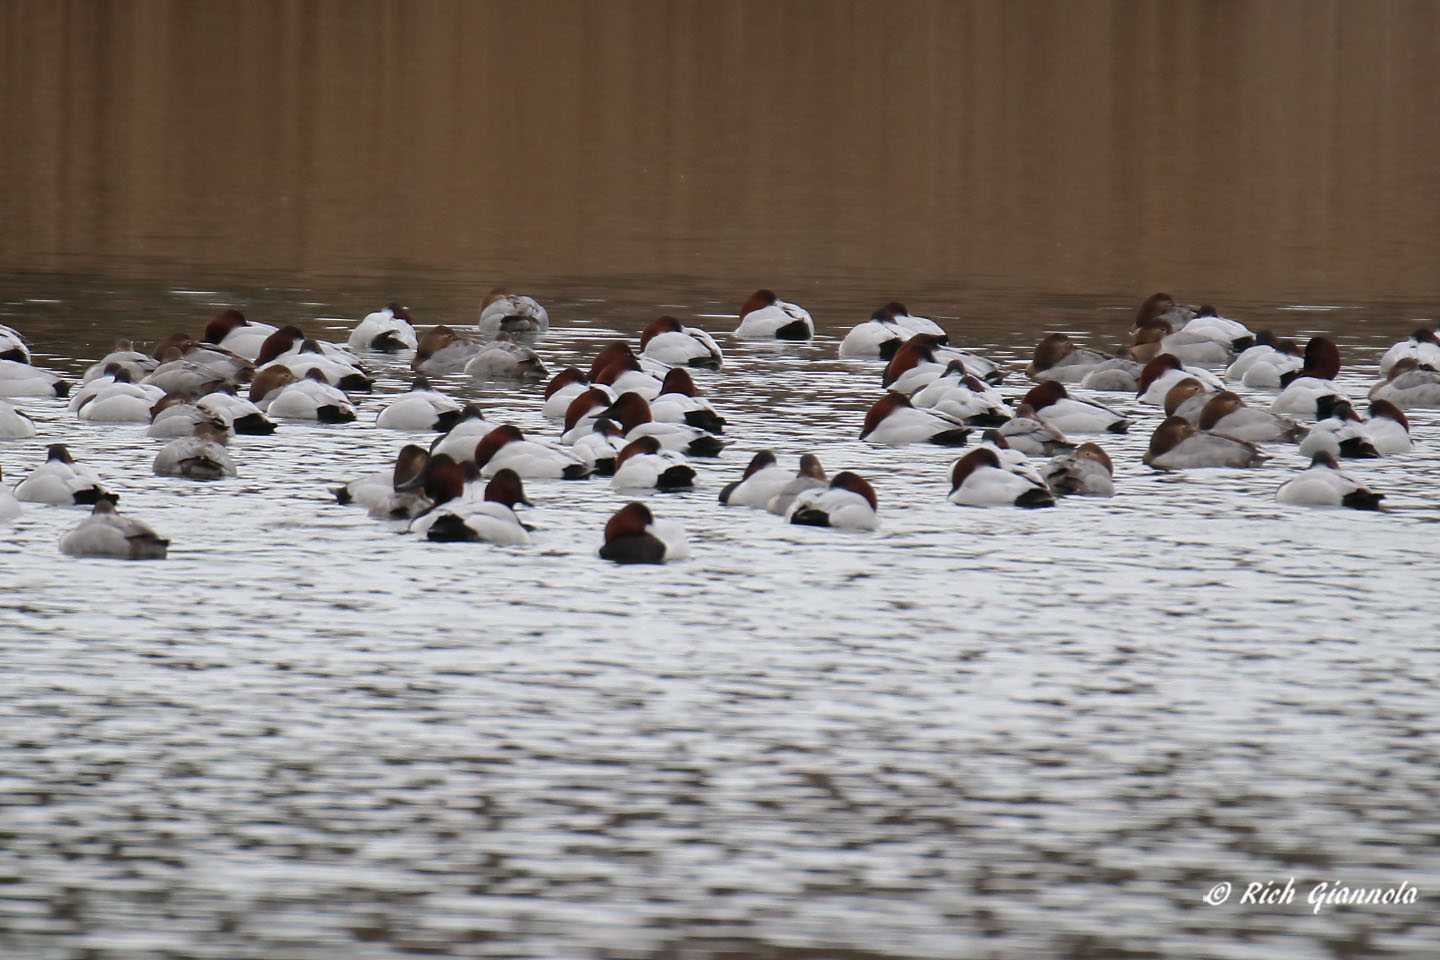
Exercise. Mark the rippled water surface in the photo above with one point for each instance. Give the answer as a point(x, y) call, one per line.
point(972, 733)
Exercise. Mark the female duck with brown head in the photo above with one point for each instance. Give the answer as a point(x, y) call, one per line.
point(1177, 444)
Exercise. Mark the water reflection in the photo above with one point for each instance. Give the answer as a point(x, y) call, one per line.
point(1042, 146)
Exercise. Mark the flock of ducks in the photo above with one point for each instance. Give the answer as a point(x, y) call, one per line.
point(636, 416)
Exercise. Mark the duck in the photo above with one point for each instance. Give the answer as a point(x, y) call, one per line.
point(15, 424)
point(175, 416)
point(633, 535)
point(765, 316)
point(1115, 375)
point(632, 412)
point(119, 401)
point(626, 374)
point(13, 346)
point(1339, 431)
point(618, 353)
point(1186, 399)
point(387, 330)
point(1200, 337)
point(504, 312)
point(506, 446)
point(444, 350)
point(680, 402)
point(290, 341)
point(1323, 485)
point(175, 374)
point(1262, 365)
point(1057, 357)
point(1389, 428)
point(1409, 384)
point(490, 520)
point(124, 355)
point(392, 494)
point(1422, 345)
point(665, 339)
point(562, 388)
point(987, 477)
point(1166, 370)
point(200, 456)
point(459, 442)
point(1160, 306)
point(22, 380)
point(239, 415)
point(229, 330)
point(1225, 412)
point(876, 338)
point(1177, 444)
point(421, 409)
point(1087, 472)
point(1053, 404)
point(9, 506)
point(584, 411)
point(893, 421)
point(504, 359)
point(1302, 390)
point(958, 395)
point(107, 534)
point(914, 365)
point(600, 447)
point(849, 503)
point(310, 355)
point(222, 364)
point(810, 476)
point(643, 463)
point(1032, 436)
point(61, 481)
point(311, 397)
point(762, 480)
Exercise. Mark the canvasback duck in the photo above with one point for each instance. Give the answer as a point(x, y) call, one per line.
point(1422, 345)
point(178, 375)
point(985, 477)
point(267, 385)
point(912, 324)
point(374, 487)
point(680, 402)
point(22, 380)
point(1225, 412)
point(1057, 357)
point(632, 412)
point(124, 355)
point(238, 414)
point(118, 401)
point(762, 480)
point(849, 503)
point(175, 416)
point(1263, 365)
point(491, 520)
point(1177, 444)
point(290, 341)
point(923, 358)
point(600, 447)
point(893, 421)
point(61, 481)
point(200, 456)
point(444, 350)
point(387, 330)
point(644, 464)
point(627, 375)
point(1087, 472)
point(504, 359)
point(1303, 389)
point(1160, 374)
point(309, 355)
point(421, 409)
point(106, 534)
point(1323, 485)
point(764, 316)
point(957, 394)
point(1202, 337)
point(562, 388)
point(309, 398)
point(1389, 428)
point(13, 346)
point(618, 352)
point(1115, 375)
point(1032, 436)
point(1186, 399)
point(460, 441)
point(1409, 384)
point(1157, 307)
point(633, 535)
point(506, 446)
point(876, 338)
point(584, 411)
point(226, 366)
point(1340, 432)
point(9, 506)
point(229, 330)
point(15, 424)
point(810, 476)
point(665, 339)
point(1053, 404)
point(504, 312)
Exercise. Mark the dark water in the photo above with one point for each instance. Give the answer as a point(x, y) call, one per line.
point(975, 733)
